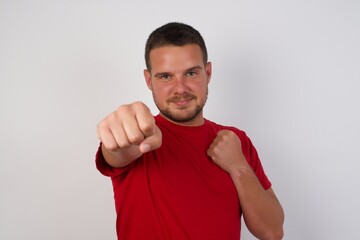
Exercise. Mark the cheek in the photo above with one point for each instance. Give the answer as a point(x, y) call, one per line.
point(200, 89)
point(161, 91)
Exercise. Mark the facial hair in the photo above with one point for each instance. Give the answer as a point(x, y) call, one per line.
point(185, 114)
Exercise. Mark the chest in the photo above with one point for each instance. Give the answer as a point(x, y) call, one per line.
point(181, 168)
point(179, 189)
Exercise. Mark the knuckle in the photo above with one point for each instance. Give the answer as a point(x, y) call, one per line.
point(214, 149)
point(110, 120)
point(148, 127)
point(102, 125)
point(119, 112)
point(137, 138)
point(232, 134)
point(123, 109)
point(138, 105)
point(226, 135)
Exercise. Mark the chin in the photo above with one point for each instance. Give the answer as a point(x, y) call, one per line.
point(182, 115)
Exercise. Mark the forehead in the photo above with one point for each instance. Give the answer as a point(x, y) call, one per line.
point(177, 57)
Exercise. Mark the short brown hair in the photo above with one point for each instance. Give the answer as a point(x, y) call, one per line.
point(177, 34)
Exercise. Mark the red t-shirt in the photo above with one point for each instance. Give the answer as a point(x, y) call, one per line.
point(177, 191)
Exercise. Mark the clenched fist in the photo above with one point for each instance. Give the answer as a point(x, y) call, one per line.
point(128, 132)
point(226, 151)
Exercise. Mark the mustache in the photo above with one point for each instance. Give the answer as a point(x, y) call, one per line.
point(183, 96)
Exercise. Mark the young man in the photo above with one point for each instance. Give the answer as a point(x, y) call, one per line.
point(178, 175)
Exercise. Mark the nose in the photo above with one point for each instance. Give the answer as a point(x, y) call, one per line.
point(180, 85)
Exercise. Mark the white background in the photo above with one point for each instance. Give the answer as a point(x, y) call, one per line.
point(287, 72)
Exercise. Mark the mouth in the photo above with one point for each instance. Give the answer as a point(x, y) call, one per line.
point(182, 101)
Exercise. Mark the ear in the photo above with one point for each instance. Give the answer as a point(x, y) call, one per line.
point(208, 71)
point(147, 76)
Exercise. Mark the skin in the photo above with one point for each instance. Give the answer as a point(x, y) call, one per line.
point(179, 83)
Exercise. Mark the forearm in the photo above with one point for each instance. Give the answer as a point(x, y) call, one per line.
point(262, 211)
point(120, 157)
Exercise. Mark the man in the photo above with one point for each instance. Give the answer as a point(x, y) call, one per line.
point(178, 175)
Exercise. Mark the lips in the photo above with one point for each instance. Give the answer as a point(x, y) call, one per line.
point(182, 100)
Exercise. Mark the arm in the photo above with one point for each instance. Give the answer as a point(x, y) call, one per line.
point(127, 133)
point(262, 211)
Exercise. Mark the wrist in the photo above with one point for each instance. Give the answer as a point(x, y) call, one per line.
point(240, 167)
point(120, 157)
point(243, 174)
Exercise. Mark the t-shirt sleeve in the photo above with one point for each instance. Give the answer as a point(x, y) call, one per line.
point(104, 168)
point(253, 159)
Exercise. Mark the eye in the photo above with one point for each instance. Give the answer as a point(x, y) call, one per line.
point(191, 74)
point(165, 76)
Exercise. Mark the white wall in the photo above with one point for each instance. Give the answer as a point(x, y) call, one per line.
point(287, 72)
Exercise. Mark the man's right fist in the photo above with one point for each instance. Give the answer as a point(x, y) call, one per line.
point(130, 125)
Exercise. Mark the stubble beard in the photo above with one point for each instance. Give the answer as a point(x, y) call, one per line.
point(181, 114)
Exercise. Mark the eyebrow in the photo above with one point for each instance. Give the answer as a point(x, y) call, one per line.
point(160, 74)
point(194, 68)
point(187, 70)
